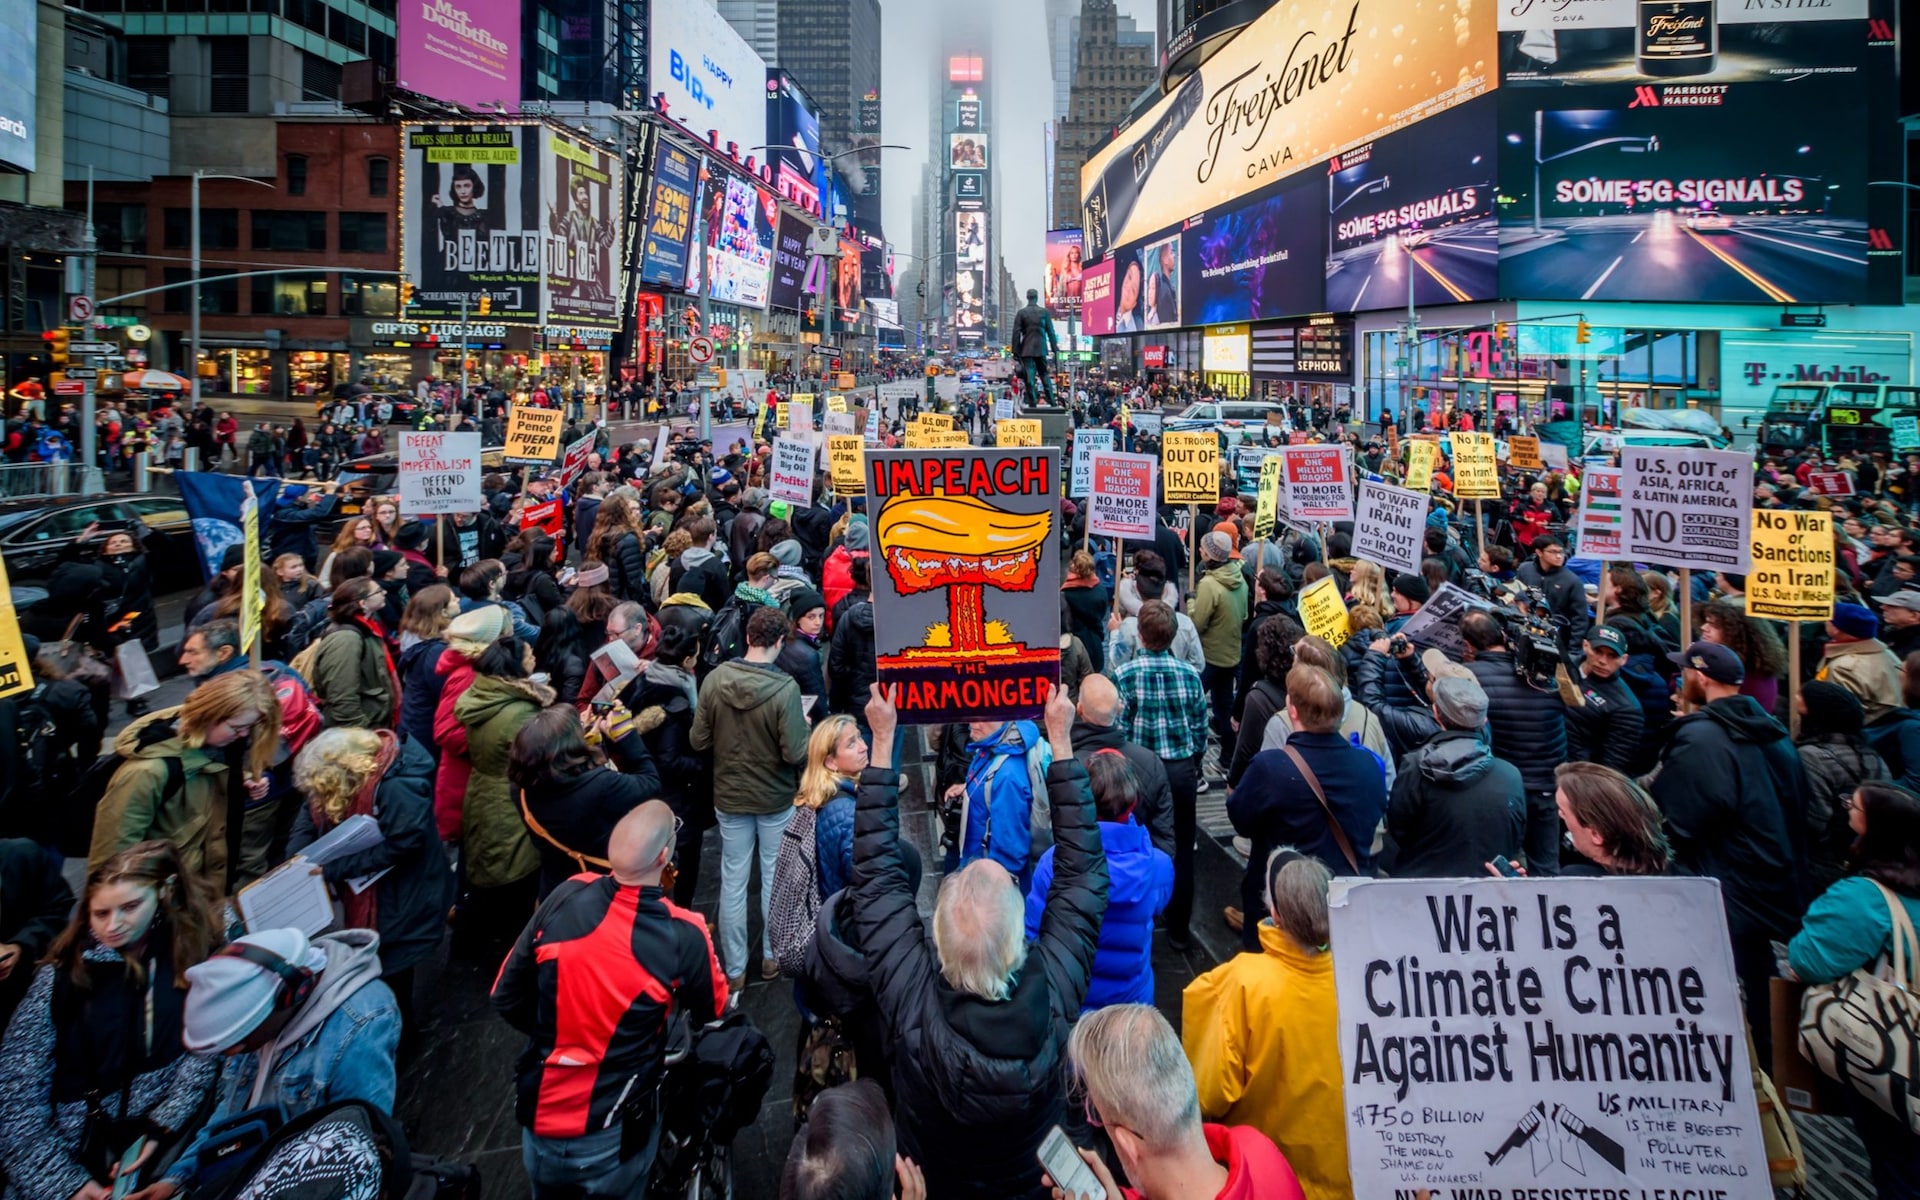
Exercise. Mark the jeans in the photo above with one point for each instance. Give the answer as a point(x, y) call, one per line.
point(738, 834)
point(1220, 682)
point(570, 1168)
point(1543, 834)
point(1183, 779)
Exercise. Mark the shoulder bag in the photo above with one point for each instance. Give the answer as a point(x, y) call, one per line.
point(1863, 1030)
point(793, 902)
point(1333, 824)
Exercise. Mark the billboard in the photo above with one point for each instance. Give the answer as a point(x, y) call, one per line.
point(471, 219)
point(967, 150)
point(740, 217)
point(793, 125)
point(1296, 86)
point(970, 188)
point(663, 252)
point(1426, 195)
point(789, 261)
point(1264, 256)
point(1613, 199)
point(711, 78)
point(1096, 299)
point(582, 184)
point(1146, 292)
point(1062, 292)
point(970, 303)
point(19, 73)
point(466, 53)
point(1686, 42)
point(846, 282)
point(970, 239)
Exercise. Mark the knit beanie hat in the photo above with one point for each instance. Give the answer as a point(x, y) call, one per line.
point(228, 997)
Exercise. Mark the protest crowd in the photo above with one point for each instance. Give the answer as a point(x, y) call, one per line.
point(506, 730)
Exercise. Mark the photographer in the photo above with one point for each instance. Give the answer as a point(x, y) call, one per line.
point(1529, 730)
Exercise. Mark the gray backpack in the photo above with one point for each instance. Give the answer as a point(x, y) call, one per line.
point(793, 904)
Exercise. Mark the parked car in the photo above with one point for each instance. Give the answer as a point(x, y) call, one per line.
point(361, 479)
point(403, 407)
point(34, 533)
point(1240, 420)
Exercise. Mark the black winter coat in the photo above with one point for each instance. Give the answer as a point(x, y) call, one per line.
point(420, 688)
point(686, 774)
point(1529, 727)
point(978, 1084)
point(800, 658)
point(1836, 766)
point(1606, 729)
point(572, 817)
point(1454, 808)
point(1086, 615)
point(627, 570)
point(1408, 721)
point(34, 903)
point(850, 664)
point(418, 887)
point(1156, 793)
point(1566, 599)
point(1249, 649)
point(1735, 798)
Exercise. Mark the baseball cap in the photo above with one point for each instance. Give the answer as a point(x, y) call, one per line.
point(1439, 666)
point(1606, 637)
point(1906, 598)
point(1714, 661)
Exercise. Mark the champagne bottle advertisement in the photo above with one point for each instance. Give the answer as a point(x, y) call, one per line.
point(1679, 41)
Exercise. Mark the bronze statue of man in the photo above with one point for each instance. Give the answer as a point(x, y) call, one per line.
point(1034, 344)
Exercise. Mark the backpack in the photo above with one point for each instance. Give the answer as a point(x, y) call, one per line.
point(793, 904)
point(75, 836)
point(825, 1058)
point(726, 637)
point(345, 1149)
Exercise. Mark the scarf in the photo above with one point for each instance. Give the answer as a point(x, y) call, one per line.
point(672, 676)
point(371, 628)
point(754, 595)
point(362, 909)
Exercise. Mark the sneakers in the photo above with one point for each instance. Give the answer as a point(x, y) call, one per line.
point(769, 969)
point(1236, 920)
point(1243, 847)
point(1205, 785)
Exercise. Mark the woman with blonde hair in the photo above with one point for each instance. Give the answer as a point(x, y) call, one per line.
point(836, 754)
point(175, 782)
point(120, 965)
point(298, 586)
point(347, 773)
point(1367, 588)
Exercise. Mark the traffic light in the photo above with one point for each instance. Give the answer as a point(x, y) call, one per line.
point(1499, 331)
point(406, 295)
point(1583, 333)
point(486, 304)
point(56, 340)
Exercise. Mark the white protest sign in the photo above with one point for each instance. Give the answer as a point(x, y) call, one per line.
point(791, 477)
point(1121, 502)
point(1003, 408)
point(1542, 1037)
point(1085, 443)
point(800, 413)
point(872, 432)
point(440, 473)
point(1687, 507)
point(891, 395)
point(1391, 527)
point(839, 423)
point(1601, 523)
point(1318, 484)
point(1437, 624)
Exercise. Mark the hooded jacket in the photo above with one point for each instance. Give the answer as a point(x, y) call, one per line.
point(499, 850)
point(1867, 669)
point(1139, 884)
point(1735, 798)
point(418, 885)
point(1896, 739)
point(340, 1045)
point(850, 658)
point(996, 820)
point(1261, 1032)
point(1155, 810)
point(749, 714)
point(1219, 612)
point(1836, 765)
point(420, 686)
point(978, 1083)
point(137, 806)
point(705, 576)
point(1454, 808)
point(353, 679)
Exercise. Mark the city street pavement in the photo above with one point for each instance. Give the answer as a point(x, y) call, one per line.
point(1757, 260)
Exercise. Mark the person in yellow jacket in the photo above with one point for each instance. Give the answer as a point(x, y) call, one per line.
point(1260, 1030)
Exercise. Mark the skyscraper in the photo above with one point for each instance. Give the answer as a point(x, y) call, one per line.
point(832, 47)
point(758, 21)
point(1113, 64)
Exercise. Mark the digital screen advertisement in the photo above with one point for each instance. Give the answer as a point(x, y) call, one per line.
point(1226, 348)
point(1420, 200)
point(1299, 83)
point(970, 303)
point(19, 73)
point(583, 186)
point(970, 239)
point(1062, 291)
point(846, 282)
point(472, 220)
point(1678, 42)
point(465, 52)
point(967, 150)
point(1147, 286)
point(711, 78)
point(1096, 300)
point(739, 242)
point(789, 261)
point(1260, 257)
point(1662, 203)
point(793, 125)
point(663, 252)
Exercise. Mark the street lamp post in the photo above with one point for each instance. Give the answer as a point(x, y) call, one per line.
point(1628, 145)
point(193, 334)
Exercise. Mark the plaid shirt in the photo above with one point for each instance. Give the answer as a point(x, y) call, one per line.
point(1164, 704)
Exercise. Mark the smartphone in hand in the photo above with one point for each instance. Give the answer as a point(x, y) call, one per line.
point(1069, 1172)
point(127, 1180)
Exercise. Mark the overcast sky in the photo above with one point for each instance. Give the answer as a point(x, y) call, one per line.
point(1022, 102)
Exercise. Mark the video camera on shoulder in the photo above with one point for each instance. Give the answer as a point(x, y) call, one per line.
point(1532, 630)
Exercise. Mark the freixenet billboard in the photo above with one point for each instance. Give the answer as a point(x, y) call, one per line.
point(472, 220)
point(1292, 89)
point(461, 51)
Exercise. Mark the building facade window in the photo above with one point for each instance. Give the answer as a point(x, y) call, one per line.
point(230, 83)
point(219, 297)
point(363, 233)
point(369, 296)
point(379, 176)
point(296, 174)
point(290, 231)
point(219, 229)
point(290, 295)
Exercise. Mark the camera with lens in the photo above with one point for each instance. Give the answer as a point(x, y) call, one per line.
point(1531, 628)
point(691, 452)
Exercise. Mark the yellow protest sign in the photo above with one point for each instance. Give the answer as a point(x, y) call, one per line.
point(1420, 458)
point(16, 672)
point(916, 436)
point(843, 380)
point(1793, 562)
point(1322, 611)
point(1476, 473)
point(1190, 468)
point(846, 462)
point(836, 404)
point(1523, 454)
point(533, 435)
point(1016, 431)
point(252, 602)
point(947, 439)
point(934, 420)
point(1267, 508)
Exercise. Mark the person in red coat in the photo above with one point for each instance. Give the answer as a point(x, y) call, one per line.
point(1139, 1084)
point(836, 574)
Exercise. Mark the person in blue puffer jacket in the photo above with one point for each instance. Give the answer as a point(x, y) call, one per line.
point(996, 800)
point(1140, 884)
